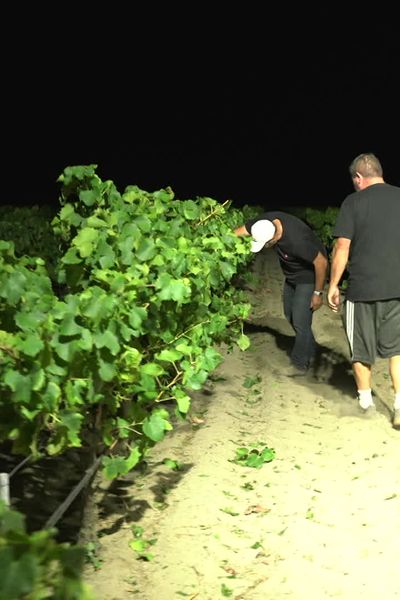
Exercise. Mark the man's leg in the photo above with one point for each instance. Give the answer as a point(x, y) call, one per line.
point(389, 347)
point(394, 369)
point(362, 376)
point(359, 321)
point(287, 299)
point(304, 348)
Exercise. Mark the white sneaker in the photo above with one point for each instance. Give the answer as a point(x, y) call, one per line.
point(366, 404)
point(396, 418)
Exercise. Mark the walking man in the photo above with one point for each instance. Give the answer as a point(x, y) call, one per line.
point(303, 260)
point(368, 245)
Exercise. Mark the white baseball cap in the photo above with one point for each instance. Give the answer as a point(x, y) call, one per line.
point(262, 232)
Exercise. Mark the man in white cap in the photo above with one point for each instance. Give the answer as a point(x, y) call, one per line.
point(303, 260)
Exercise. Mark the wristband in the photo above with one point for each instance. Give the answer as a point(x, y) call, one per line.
point(318, 292)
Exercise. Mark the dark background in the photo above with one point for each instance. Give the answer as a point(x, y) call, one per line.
point(263, 108)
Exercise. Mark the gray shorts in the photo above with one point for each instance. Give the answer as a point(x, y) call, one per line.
point(372, 329)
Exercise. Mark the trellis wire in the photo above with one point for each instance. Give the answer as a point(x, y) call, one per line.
point(72, 495)
point(58, 513)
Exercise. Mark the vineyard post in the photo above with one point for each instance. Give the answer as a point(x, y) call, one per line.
point(5, 488)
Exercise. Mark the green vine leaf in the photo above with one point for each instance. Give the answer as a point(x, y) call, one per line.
point(156, 425)
point(243, 342)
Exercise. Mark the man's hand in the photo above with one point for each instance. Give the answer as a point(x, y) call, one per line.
point(334, 298)
point(316, 302)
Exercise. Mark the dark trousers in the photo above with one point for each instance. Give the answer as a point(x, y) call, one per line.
point(296, 306)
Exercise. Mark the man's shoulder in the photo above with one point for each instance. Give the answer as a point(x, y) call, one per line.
point(270, 214)
point(385, 189)
point(348, 204)
point(351, 198)
point(286, 218)
point(282, 216)
point(378, 190)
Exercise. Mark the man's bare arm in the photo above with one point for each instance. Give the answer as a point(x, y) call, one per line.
point(241, 230)
point(321, 267)
point(340, 257)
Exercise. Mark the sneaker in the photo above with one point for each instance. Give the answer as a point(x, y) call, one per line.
point(396, 418)
point(370, 411)
point(366, 405)
point(291, 371)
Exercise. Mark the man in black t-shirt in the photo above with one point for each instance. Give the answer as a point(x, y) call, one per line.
point(303, 260)
point(368, 244)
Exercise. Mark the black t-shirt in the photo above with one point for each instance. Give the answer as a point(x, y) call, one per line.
point(297, 247)
point(370, 218)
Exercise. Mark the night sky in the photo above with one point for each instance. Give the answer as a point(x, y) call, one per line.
point(268, 113)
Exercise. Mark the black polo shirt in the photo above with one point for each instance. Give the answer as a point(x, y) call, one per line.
point(297, 248)
point(370, 218)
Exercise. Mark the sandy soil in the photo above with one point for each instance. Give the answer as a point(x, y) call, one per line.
point(318, 521)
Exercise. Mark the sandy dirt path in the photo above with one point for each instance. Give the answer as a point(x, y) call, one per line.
point(319, 521)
